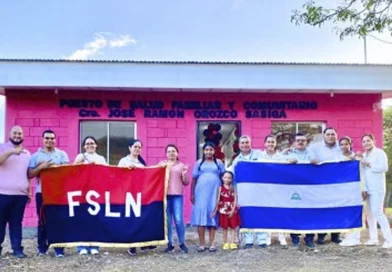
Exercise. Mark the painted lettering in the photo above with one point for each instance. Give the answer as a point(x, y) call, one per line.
point(138, 104)
point(196, 105)
point(121, 113)
point(80, 103)
point(164, 113)
point(114, 104)
point(222, 114)
point(276, 114)
point(88, 113)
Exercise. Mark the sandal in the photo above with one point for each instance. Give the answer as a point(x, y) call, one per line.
point(212, 249)
point(201, 249)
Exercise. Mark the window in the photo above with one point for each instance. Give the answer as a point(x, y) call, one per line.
point(285, 132)
point(224, 134)
point(112, 138)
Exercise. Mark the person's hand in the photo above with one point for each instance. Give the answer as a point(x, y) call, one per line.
point(185, 170)
point(131, 167)
point(45, 164)
point(292, 161)
point(359, 154)
point(314, 161)
point(365, 163)
point(18, 150)
point(213, 214)
point(193, 199)
point(29, 197)
point(162, 164)
point(231, 214)
point(365, 195)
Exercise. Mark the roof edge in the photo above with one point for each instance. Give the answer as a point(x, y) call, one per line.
point(191, 62)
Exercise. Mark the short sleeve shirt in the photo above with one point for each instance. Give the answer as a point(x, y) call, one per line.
point(57, 157)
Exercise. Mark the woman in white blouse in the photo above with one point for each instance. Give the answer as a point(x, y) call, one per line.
point(270, 154)
point(375, 165)
point(90, 156)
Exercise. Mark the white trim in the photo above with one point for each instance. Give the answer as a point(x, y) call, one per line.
point(281, 78)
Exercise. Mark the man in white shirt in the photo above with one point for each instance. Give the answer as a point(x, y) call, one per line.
point(327, 151)
point(249, 154)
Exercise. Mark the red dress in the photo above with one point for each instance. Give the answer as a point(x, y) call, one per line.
point(226, 205)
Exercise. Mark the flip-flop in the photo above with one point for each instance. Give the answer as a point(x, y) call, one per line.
point(201, 249)
point(212, 249)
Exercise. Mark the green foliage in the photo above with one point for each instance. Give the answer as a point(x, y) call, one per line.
point(387, 126)
point(350, 17)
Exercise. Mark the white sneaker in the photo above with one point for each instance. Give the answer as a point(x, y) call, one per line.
point(94, 251)
point(372, 242)
point(350, 243)
point(387, 244)
point(83, 252)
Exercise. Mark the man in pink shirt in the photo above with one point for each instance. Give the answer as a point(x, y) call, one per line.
point(14, 189)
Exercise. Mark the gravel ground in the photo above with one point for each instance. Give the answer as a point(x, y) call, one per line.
point(329, 257)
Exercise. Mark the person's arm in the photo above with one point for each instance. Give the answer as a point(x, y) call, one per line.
point(195, 176)
point(290, 158)
point(217, 203)
point(194, 180)
point(381, 165)
point(184, 175)
point(5, 155)
point(234, 204)
point(34, 172)
point(79, 159)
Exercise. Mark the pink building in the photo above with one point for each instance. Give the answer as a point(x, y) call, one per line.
point(186, 103)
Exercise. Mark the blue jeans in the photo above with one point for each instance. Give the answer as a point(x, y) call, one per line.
point(296, 237)
point(175, 205)
point(42, 237)
point(12, 209)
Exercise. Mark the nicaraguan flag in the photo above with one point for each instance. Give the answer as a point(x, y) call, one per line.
point(299, 197)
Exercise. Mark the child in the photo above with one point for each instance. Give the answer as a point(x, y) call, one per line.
point(228, 210)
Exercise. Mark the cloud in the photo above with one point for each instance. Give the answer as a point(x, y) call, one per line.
point(100, 42)
point(123, 40)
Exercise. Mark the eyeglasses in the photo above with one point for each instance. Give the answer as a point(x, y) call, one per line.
point(49, 138)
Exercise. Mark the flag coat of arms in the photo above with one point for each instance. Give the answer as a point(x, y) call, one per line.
point(299, 198)
point(96, 205)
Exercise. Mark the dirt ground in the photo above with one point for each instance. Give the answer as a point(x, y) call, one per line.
point(329, 257)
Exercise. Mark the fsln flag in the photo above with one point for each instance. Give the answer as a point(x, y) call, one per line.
point(96, 205)
point(299, 198)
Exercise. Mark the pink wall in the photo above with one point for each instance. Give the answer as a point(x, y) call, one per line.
point(351, 114)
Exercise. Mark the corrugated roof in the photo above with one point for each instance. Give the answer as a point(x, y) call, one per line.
point(194, 62)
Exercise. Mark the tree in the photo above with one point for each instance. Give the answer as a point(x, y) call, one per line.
point(387, 126)
point(351, 17)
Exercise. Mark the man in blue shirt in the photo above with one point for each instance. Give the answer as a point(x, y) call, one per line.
point(300, 154)
point(45, 157)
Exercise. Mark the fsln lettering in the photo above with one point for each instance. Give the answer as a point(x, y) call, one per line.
point(132, 205)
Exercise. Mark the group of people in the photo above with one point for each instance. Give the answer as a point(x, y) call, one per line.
point(213, 193)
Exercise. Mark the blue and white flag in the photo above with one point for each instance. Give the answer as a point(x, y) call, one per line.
point(299, 198)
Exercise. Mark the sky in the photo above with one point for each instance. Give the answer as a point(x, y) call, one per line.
point(201, 30)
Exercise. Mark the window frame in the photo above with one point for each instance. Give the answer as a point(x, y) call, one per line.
point(108, 122)
point(297, 123)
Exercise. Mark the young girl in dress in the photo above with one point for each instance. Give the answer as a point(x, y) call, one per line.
point(228, 211)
